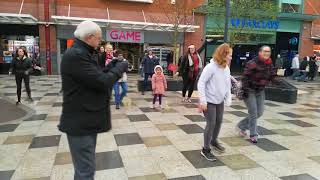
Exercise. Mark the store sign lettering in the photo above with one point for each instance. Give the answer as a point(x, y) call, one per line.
point(255, 24)
point(125, 36)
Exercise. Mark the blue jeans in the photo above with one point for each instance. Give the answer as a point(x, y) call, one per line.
point(296, 73)
point(255, 105)
point(117, 95)
point(303, 77)
point(83, 152)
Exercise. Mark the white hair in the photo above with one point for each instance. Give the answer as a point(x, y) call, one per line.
point(85, 28)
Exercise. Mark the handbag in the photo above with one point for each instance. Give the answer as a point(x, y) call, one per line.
point(237, 90)
point(281, 72)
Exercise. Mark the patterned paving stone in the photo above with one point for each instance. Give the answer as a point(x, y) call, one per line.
point(271, 104)
point(37, 117)
point(238, 107)
point(128, 139)
point(195, 118)
point(156, 141)
point(312, 105)
point(199, 177)
point(57, 104)
point(19, 139)
point(277, 121)
point(235, 141)
point(137, 118)
point(150, 177)
point(52, 94)
point(286, 132)
point(238, 113)
point(8, 127)
point(238, 162)
point(63, 158)
point(299, 177)
point(191, 128)
point(45, 141)
point(291, 115)
point(165, 144)
point(148, 109)
point(301, 123)
point(269, 145)
point(108, 160)
point(263, 131)
point(6, 175)
point(167, 127)
point(198, 161)
point(315, 158)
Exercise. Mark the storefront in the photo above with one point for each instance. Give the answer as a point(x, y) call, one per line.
point(13, 37)
point(133, 38)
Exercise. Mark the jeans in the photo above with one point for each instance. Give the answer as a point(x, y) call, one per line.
point(255, 105)
point(214, 117)
point(296, 73)
point(146, 78)
point(83, 149)
point(117, 95)
point(26, 79)
point(188, 85)
point(303, 77)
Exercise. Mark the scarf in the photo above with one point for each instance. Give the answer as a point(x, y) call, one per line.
point(191, 61)
point(265, 61)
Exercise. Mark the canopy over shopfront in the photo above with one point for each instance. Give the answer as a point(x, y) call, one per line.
point(119, 24)
point(12, 18)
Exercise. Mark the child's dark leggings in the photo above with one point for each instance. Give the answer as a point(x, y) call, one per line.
point(155, 98)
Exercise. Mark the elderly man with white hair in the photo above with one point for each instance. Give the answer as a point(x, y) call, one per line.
point(86, 97)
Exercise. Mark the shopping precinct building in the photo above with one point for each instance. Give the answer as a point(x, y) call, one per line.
point(46, 27)
point(296, 30)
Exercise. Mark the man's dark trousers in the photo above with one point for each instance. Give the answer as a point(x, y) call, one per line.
point(83, 150)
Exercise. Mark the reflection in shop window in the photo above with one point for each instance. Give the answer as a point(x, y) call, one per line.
point(290, 8)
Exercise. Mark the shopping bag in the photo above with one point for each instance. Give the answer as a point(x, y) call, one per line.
point(281, 72)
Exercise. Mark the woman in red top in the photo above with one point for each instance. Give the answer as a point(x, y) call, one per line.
point(189, 69)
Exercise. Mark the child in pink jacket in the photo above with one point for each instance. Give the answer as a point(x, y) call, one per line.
point(159, 84)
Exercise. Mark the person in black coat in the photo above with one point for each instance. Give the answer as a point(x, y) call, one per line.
point(189, 68)
point(86, 97)
point(21, 66)
point(148, 63)
point(312, 68)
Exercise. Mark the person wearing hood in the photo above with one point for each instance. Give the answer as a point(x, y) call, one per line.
point(21, 66)
point(257, 75)
point(190, 67)
point(159, 85)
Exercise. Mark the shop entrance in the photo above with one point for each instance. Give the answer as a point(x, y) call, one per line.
point(132, 52)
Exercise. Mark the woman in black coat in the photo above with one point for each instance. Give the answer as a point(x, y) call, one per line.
point(190, 67)
point(21, 66)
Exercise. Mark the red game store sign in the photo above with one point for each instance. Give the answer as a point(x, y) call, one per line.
point(114, 35)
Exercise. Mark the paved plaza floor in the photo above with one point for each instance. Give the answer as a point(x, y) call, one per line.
point(154, 144)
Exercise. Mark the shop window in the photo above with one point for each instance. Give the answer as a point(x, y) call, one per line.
point(290, 8)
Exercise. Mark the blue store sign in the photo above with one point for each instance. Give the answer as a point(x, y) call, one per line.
point(255, 24)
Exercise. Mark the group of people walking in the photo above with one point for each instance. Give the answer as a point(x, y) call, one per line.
point(88, 79)
point(302, 70)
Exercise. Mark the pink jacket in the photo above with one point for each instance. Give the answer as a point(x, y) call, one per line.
point(159, 83)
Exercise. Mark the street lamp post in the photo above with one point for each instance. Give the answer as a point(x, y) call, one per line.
point(226, 25)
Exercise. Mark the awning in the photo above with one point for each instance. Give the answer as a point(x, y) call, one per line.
point(316, 37)
point(119, 24)
point(11, 18)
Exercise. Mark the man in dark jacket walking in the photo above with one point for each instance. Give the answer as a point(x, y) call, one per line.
point(148, 63)
point(85, 88)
